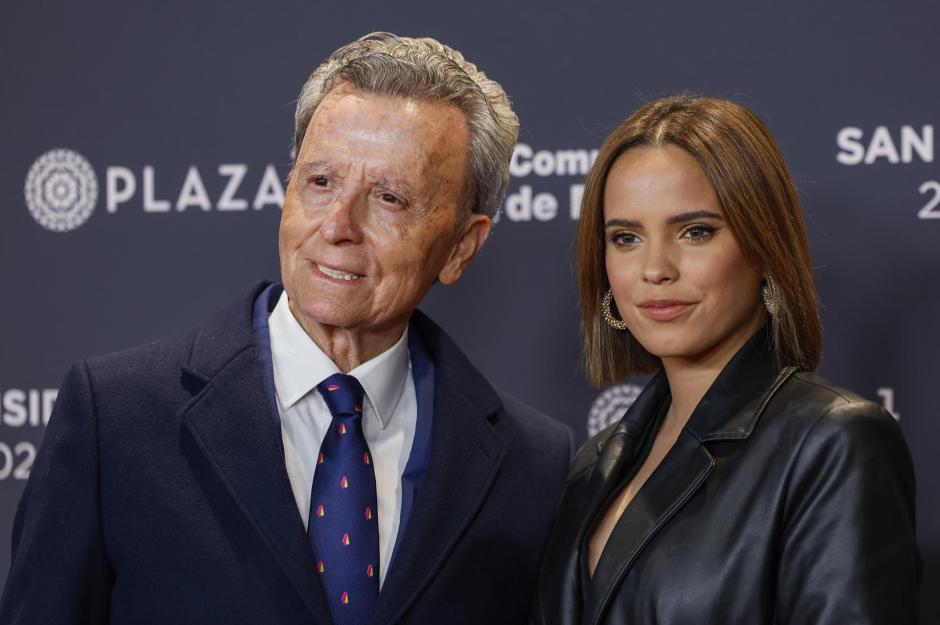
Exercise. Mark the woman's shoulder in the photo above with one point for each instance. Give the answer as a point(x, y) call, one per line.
point(823, 414)
point(808, 396)
point(811, 387)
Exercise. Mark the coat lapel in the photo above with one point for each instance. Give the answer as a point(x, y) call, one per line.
point(465, 456)
point(237, 444)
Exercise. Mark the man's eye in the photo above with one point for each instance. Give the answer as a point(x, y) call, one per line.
point(391, 199)
point(320, 181)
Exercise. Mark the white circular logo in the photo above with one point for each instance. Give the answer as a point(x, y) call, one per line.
point(610, 406)
point(61, 190)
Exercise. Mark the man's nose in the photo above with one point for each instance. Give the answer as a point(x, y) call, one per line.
point(342, 223)
point(658, 265)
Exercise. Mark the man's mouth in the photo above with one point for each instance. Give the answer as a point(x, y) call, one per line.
point(336, 273)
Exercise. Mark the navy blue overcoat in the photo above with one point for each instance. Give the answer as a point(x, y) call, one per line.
point(160, 496)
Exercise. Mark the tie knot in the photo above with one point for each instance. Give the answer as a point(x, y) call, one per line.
point(343, 395)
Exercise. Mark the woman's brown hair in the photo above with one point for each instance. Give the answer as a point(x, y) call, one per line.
point(760, 204)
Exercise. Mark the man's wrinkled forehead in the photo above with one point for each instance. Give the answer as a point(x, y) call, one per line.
point(416, 141)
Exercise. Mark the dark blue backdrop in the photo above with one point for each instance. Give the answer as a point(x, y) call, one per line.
point(143, 92)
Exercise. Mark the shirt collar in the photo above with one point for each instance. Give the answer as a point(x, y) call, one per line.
point(300, 364)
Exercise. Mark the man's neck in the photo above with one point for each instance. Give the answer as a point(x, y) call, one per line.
point(349, 348)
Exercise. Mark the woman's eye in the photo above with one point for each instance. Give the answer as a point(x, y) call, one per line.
point(699, 232)
point(623, 239)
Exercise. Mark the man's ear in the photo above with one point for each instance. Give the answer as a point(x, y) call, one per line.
point(475, 231)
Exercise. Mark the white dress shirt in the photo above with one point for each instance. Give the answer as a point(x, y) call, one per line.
point(389, 417)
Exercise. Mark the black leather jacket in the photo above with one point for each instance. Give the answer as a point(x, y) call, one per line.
point(785, 500)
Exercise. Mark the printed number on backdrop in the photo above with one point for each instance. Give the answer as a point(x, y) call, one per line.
point(930, 209)
point(887, 400)
point(17, 461)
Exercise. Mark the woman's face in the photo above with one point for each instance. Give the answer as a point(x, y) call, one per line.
point(677, 274)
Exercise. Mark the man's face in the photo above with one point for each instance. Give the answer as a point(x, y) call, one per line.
point(372, 212)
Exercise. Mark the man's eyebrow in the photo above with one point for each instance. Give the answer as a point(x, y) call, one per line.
point(394, 186)
point(309, 167)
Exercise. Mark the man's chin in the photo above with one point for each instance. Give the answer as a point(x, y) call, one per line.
point(320, 313)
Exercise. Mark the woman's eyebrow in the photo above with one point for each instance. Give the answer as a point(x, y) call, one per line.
point(675, 219)
point(622, 223)
point(692, 216)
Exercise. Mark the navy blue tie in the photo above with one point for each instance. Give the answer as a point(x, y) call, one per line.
point(343, 526)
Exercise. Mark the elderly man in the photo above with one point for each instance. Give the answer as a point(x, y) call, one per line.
point(319, 452)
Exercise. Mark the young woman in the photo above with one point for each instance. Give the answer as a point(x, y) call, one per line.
point(740, 487)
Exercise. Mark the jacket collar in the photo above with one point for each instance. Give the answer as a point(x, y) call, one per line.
point(221, 337)
point(750, 376)
point(228, 332)
point(724, 412)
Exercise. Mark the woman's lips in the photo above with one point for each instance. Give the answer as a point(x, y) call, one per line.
point(664, 310)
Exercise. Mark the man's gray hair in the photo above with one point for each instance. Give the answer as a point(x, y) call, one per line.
point(425, 69)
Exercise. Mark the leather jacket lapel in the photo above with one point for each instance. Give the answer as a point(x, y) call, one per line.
point(681, 473)
point(597, 469)
point(620, 451)
point(728, 411)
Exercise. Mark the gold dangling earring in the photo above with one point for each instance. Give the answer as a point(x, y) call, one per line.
point(613, 322)
point(771, 296)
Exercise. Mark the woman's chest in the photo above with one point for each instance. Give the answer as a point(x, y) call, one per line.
point(688, 551)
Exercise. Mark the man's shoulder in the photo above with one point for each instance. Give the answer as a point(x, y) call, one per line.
point(150, 357)
point(519, 423)
point(531, 423)
point(228, 329)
